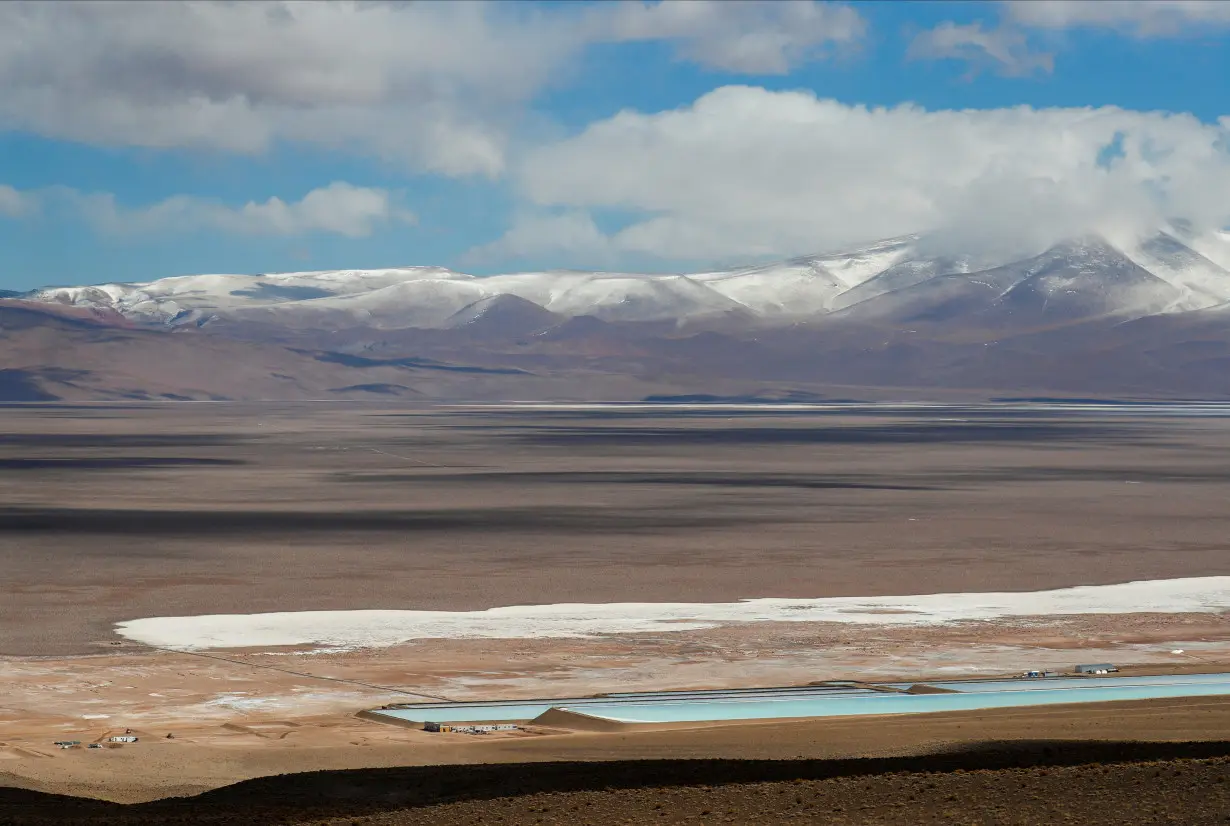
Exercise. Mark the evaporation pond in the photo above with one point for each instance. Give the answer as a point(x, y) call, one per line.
point(827, 701)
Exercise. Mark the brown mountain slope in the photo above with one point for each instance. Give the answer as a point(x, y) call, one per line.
point(74, 354)
point(48, 354)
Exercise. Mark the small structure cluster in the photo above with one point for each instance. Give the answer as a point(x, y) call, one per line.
point(105, 741)
point(483, 728)
point(1092, 668)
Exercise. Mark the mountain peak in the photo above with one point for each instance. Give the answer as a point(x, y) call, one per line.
point(505, 315)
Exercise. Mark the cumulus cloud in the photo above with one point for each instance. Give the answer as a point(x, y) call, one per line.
point(1143, 18)
point(560, 235)
point(1011, 47)
point(744, 172)
point(13, 203)
point(1003, 49)
point(437, 86)
point(423, 83)
point(749, 36)
point(339, 208)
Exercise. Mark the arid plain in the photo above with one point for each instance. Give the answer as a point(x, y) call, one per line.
point(119, 512)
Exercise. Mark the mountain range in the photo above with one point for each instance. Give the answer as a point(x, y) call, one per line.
point(916, 315)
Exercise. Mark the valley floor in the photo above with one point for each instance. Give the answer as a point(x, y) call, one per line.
point(115, 513)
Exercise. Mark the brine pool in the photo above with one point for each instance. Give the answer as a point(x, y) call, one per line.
point(829, 700)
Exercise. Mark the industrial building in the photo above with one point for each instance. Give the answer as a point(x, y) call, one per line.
point(477, 728)
point(1096, 668)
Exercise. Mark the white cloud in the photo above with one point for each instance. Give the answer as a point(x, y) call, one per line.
point(1011, 48)
point(1143, 18)
point(14, 204)
point(556, 234)
point(745, 172)
point(750, 36)
point(1003, 49)
point(339, 208)
point(424, 83)
point(437, 86)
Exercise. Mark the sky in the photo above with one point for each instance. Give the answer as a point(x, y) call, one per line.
point(145, 140)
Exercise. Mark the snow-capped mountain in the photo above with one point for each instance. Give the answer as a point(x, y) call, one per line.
point(1083, 278)
point(906, 278)
point(1123, 317)
point(1200, 281)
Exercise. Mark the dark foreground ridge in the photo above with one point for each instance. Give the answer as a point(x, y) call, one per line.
point(1096, 782)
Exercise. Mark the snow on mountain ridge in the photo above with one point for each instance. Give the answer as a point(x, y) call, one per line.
point(912, 270)
point(1214, 246)
point(425, 302)
point(542, 288)
point(1086, 278)
point(857, 265)
point(404, 297)
point(795, 288)
point(672, 297)
point(1202, 283)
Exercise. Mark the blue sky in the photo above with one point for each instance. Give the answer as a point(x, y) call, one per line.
point(149, 140)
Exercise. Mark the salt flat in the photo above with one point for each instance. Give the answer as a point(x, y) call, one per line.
point(365, 629)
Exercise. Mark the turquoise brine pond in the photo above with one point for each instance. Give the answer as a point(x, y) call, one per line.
point(826, 701)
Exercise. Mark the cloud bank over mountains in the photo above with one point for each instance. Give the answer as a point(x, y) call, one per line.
point(745, 172)
point(738, 173)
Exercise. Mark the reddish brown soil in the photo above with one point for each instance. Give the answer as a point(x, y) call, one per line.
point(1189, 792)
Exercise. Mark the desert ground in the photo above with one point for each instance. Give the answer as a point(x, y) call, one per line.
point(116, 512)
point(1024, 781)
